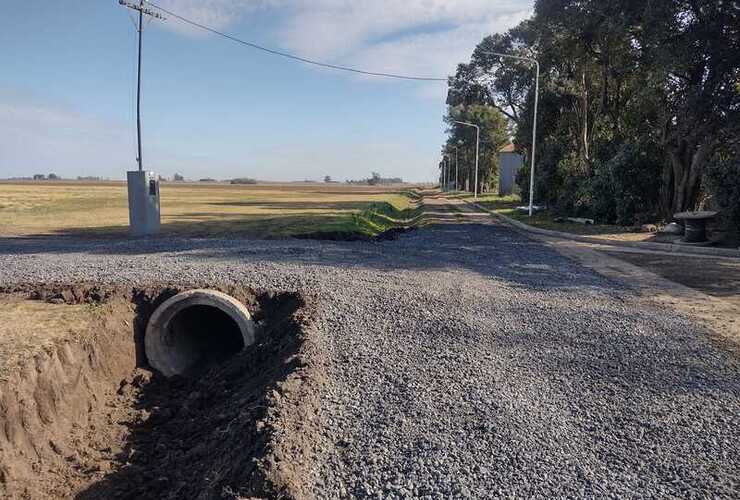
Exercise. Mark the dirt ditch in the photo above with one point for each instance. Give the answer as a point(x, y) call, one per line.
point(82, 415)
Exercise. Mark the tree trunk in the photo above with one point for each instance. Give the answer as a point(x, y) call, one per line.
point(667, 191)
point(688, 160)
point(584, 107)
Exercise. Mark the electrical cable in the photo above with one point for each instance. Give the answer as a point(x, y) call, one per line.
point(293, 56)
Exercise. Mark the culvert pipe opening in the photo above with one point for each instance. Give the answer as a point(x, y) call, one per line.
point(196, 329)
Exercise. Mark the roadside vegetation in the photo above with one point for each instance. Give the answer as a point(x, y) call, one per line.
point(508, 206)
point(401, 211)
point(639, 108)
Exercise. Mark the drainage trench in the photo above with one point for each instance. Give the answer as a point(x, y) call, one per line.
point(125, 431)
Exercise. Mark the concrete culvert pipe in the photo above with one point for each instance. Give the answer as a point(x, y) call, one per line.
point(195, 329)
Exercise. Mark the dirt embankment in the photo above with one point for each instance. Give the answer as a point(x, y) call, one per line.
point(84, 417)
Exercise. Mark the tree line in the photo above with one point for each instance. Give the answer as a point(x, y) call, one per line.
point(638, 105)
point(375, 179)
point(460, 147)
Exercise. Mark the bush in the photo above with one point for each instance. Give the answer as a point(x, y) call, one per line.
point(548, 179)
point(722, 183)
point(625, 189)
point(574, 198)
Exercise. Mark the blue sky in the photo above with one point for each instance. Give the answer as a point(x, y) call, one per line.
point(212, 108)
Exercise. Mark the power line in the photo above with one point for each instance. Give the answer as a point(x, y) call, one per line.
point(293, 56)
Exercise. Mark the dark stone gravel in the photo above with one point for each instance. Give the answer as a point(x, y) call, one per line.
point(469, 361)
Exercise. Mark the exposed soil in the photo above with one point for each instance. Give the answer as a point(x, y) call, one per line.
point(30, 327)
point(82, 416)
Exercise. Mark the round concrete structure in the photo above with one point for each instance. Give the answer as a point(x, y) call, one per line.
point(194, 329)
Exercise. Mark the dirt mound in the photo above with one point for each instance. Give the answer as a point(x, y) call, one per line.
point(87, 419)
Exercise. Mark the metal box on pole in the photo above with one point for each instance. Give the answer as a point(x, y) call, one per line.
point(143, 203)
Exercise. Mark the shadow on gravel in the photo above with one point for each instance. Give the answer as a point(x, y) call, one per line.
point(718, 277)
point(622, 362)
point(491, 250)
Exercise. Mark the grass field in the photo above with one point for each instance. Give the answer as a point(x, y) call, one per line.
point(100, 209)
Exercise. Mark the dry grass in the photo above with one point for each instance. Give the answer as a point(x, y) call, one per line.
point(208, 209)
point(28, 327)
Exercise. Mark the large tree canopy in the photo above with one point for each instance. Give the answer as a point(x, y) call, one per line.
point(657, 79)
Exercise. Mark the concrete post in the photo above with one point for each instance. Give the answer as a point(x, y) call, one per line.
point(143, 203)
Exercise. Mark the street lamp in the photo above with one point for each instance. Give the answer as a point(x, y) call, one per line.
point(445, 176)
point(456, 167)
point(445, 173)
point(457, 172)
point(477, 151)
point(534, 126)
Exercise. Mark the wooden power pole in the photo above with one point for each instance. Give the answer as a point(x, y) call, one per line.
point(142, 10)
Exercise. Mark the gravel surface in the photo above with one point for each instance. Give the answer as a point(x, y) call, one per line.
point(469, 361)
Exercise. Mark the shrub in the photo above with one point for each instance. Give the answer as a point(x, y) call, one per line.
point(722, 183)
point(625, 189)
point(548, 179)
point(573, 197)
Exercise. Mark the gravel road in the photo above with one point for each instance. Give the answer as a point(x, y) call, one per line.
point(469, 361)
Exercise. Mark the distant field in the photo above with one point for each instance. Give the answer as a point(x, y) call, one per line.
point(100, 209)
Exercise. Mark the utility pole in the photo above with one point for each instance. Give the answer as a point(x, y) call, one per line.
point(457, 178)
point(143, 187)
point(142, 9)
point(444, 173)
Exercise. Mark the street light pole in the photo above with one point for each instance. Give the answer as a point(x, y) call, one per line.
point(477, 151)
point(444, 172)
point(444, 175)
point(457, 170)
point(534, 123)
point(444, 166)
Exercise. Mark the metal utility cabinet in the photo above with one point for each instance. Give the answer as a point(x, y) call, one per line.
point(143, 203)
